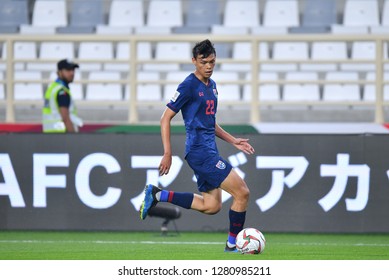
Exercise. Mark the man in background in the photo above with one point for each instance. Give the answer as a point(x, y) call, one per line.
point(59, 111)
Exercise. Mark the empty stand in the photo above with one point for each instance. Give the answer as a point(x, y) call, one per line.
point(126, 13)
point(165, 13)
point(146, 91)
point(84, 16)
point(123, 17)
point(361, 13)
point(281, 13)
point(104, 91)
point(227, 92)
point(169, 51)
point(31, 90)
point(176, 77)
point(361, 51)
point(369, 90)
point(46, 17)
point(144, 51)
point(287, 51)
point(301, 92)
point(341, 92)
point(52, 50)
point(322, 51)
point(12, 15)
point(241, 13)
point(201, 15)
point(317, 17)
point(96, 51)
point(266, 92)
point(242, 50)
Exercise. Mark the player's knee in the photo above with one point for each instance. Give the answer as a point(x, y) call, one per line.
point(244, 193)
point(213, 209)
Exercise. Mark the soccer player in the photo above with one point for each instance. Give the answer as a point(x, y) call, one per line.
point(197, 98)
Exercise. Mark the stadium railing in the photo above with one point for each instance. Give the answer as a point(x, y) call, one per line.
point(254, 105)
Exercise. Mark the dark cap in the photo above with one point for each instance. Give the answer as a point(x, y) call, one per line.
point(66, 64)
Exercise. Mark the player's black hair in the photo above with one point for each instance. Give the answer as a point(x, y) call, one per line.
point(204, 48)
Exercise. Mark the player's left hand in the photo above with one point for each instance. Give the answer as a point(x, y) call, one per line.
point(243, 145)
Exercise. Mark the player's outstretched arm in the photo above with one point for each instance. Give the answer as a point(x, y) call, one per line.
point(166, 161)
point(240, 143)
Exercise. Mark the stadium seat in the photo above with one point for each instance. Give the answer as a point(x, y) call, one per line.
point(301, 92)
point(104, 91)
point(176, 77)
point(242, 50)
point(166, 13)
point(201, 15)
point(229, 30)
point(123, 53)
point(46, 17)
point(31, 90)
point(169, 50)
point(126, 13)
point(12, 15)
point(52, 50)
point(241, 13)
point(22, 50)
point(123, 17)
point(153, 30)
point(341, 92)
point(281, 13)
point(361, 51)
point(322, 51)
point(361, 13)
point(84, 16)
point(369, 93)
point(146, 91)
point(317, 17)
point(75, 88)
point(344, 29)
point(287, 51)
point(266, 92)
point(227, 92)
point(94, 50)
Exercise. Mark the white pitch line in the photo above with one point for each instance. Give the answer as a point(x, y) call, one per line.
point(184, 243)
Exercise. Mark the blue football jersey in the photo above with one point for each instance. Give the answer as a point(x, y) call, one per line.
point(198, 105)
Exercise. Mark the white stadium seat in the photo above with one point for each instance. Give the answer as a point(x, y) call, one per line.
point(241, 13)
point(301, 92)
point(165, 13)
point(104, 91)
point(361, 13)
point(227, 92)
point(31, 90)
point(266, 92)
point(341, 92)
point(281, 13)
point(146, 91)
point(94, 50)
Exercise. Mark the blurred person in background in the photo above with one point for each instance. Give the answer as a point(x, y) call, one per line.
point(59, 112)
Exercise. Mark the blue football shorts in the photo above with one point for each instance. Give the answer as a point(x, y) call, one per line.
point(210, 169)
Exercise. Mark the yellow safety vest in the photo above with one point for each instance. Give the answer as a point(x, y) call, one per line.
point(52, 120)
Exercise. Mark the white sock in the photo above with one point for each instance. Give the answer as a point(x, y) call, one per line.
point(230, 245)
point(158, 196)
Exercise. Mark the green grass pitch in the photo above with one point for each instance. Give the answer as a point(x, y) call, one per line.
point(53, 245)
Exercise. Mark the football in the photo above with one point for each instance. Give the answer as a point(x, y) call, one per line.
point(250, 241)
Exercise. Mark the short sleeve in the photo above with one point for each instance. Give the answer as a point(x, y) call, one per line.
point(63, 99)
point(180, 97)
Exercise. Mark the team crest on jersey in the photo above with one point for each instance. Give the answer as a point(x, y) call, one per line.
point(201, 93)
point(220, 165)
point(215, 92)
point(175, 96)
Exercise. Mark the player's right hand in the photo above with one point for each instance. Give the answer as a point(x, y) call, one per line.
point(165, 164)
